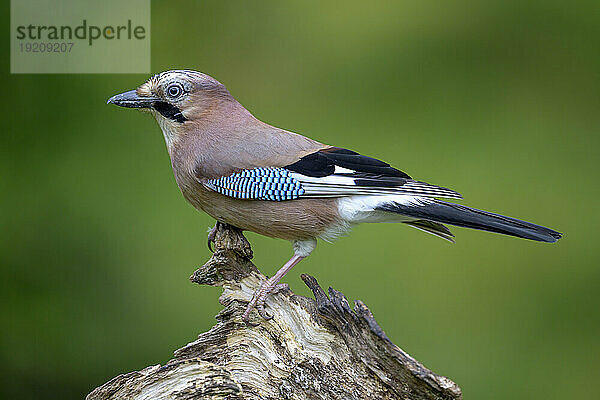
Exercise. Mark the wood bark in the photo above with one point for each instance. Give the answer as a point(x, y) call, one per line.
point(317, 348)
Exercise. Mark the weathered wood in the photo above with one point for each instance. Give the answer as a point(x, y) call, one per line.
point(311, 349)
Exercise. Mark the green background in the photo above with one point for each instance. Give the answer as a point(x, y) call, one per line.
point(498, 100)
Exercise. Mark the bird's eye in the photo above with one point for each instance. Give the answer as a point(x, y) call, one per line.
point(175, 90)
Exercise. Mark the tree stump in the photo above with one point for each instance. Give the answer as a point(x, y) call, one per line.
point(311, 349)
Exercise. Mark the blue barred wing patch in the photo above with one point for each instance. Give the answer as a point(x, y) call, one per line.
point(275, 184)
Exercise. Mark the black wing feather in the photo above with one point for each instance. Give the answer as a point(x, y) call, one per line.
point(315, 164)
point(323, 163)
point(363, 175)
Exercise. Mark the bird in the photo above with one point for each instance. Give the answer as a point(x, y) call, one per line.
point(251, 175)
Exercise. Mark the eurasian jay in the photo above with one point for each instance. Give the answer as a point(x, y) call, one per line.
point(277, 183)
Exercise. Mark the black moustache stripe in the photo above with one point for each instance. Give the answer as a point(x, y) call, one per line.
point(169, 111)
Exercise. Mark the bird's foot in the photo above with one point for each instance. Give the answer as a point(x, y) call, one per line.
point(270, 286)
point(243, 242)
point(212, 234)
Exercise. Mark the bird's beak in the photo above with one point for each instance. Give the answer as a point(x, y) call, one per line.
point(132, 100)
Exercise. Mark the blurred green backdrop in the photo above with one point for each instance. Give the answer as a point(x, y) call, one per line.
point(498, 100)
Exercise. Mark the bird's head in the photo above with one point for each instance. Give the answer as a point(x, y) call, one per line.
point(175, 98)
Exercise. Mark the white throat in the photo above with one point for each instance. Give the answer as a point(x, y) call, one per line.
point(168, 128)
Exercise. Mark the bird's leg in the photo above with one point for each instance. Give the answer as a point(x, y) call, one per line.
point(270, 286)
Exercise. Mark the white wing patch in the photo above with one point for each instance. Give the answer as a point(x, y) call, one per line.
point(345, 185)
point(342, 170)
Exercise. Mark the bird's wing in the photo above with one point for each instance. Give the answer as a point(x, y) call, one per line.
point(333, 172)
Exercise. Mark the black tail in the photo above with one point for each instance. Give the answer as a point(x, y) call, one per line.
point(459, 215)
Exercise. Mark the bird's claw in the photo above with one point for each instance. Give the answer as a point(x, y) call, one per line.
point(259, 298)
point(263, 313)
point(212, 234)
point(280, 287)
